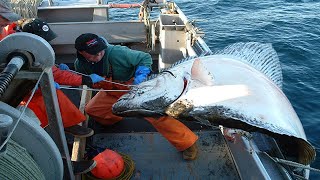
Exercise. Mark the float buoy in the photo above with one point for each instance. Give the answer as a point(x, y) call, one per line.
point(109, 165)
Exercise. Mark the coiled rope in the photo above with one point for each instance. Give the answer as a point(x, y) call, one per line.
point(17, 163)
point(129, 168)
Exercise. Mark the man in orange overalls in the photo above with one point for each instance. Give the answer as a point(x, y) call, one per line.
point(71, 116)
point(120, 63)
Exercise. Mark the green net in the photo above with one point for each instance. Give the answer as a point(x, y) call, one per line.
point(26, 8)
point(17, 163)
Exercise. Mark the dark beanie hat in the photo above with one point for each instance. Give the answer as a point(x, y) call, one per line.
point(40, 28)
point(90, 43)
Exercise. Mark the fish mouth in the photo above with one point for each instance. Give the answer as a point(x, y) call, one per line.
point(138, 113)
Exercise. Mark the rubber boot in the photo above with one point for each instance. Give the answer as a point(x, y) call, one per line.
point(79, 131)
point(81, 167)
point(191, 153)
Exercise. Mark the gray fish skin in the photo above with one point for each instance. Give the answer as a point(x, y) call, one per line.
point(238, 88)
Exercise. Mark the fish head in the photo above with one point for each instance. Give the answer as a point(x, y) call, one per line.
point(151, 97)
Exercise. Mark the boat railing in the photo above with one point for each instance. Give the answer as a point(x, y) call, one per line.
point(179, 38)
point(195, 36)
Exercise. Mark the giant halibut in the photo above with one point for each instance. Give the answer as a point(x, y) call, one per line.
point(238, 87)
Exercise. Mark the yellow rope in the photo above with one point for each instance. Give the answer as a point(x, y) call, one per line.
point(129, 167)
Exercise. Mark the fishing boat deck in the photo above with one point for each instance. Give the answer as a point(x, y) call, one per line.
point(155, 158)
point(169, 38)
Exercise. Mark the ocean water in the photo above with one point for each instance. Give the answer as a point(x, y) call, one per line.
point(293, 29)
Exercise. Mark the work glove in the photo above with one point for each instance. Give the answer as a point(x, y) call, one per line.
point(141, 74)
point(95, 78)
point(63, 66)
point(56, 85)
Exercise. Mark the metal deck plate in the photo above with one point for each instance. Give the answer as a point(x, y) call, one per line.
point(156, 158)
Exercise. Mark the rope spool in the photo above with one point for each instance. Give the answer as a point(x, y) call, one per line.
point(26, 8)
point(125, 174)
point(17, 163)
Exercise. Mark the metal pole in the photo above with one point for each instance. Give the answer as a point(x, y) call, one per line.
point(55, 128)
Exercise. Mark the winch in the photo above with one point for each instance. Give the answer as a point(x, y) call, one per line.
point(25, 61)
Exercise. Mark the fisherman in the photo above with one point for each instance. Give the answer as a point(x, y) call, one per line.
point(6, 16)
point(121, 64)
point(71, 115)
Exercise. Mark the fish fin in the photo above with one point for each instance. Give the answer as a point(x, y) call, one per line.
point(260, 56)
point(200, 73)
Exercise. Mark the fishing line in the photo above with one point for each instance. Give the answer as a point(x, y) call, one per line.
point(291, 163)
point(127, 85)
point(91, 89)
point(121, 84)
